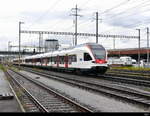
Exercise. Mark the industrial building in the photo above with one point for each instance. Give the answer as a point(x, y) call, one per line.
point(133, 52)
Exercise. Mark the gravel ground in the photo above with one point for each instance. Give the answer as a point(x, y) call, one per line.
point(98, 102)
point(7, 105)
point(4, 88)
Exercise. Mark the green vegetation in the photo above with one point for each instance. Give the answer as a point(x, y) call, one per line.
point(2, 67)
point(14, 68)
point(147, 89)
point(132, 68)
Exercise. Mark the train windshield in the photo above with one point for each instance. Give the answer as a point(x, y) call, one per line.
point(98, 52)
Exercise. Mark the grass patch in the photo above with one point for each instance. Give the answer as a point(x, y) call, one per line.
point(14, 68)
point(132, 68)
point(2, 67)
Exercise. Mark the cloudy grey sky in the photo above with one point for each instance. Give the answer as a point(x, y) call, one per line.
point(118, 17)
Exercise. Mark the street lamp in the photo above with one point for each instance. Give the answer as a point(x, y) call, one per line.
point(20, 40)
point(139, 48)
point(8, 57)
point(147, 47)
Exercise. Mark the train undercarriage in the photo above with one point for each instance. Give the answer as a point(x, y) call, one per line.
point(94, 70)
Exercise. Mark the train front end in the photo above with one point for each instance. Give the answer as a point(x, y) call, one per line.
point(99, 61)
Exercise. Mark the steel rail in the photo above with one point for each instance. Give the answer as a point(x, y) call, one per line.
point(98, 87)
point(129, 75)
point(31, 97)
point(77, 105)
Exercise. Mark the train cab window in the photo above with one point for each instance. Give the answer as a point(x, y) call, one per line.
point(87, 57)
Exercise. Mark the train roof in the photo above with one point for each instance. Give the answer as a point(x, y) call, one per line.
point(61, 51)
point(85, 44)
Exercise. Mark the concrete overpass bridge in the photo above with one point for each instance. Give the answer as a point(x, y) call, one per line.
point(17, 53)
point(8, 55)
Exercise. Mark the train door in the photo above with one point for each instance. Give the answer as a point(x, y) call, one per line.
point(57, 60)
point(32, 61)
point(66, 61)
point(41, 61)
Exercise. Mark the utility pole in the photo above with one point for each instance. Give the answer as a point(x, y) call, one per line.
point(9, 46)
point(76, 16)
point(20, 41)
point(147, 46)
point(97, 19)
point(96, 27)
point(8, 57)
point(73, 41)
point(40, 42)
point(113, 43)
point(139, 47)
point(75, 10)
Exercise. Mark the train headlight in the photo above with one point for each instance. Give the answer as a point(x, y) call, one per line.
point(99, 61)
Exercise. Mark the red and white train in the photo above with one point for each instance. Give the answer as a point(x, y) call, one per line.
point(88, 57)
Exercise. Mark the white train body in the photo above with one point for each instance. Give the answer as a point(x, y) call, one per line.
point(90, 57)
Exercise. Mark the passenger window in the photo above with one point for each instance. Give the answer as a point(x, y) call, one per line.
point(70, 59)
point(61, 58)
point(55, 60)
point(87, 57)
point(74, 58)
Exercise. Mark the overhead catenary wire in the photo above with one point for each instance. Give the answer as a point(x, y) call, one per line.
point(46, 12)
point(107, 10)
point(131, 16)
point(60, 21)
point(139, 22)
point(118, 5)
point(84, 22)
point(129, 9)
point(84, 2)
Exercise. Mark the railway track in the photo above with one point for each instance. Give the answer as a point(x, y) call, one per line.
point(131, 74)
point(40, 98)
point(138, 79)
point(123, 93)
point(127, 80)
point(139, 72)
point(26, 102)
point(133, 80)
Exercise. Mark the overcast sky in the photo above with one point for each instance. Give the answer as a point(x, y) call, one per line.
point(118, 17)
